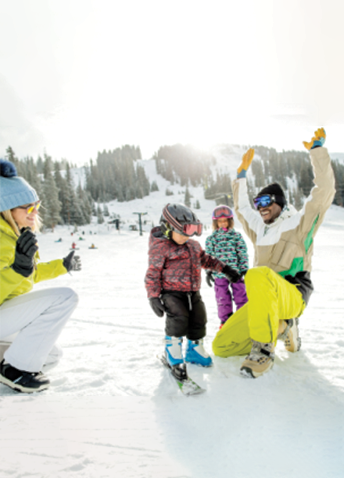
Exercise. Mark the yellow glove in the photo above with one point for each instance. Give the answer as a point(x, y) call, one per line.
point(317, 140)
point(245, 163)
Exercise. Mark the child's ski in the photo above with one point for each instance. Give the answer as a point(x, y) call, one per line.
point(186, 385)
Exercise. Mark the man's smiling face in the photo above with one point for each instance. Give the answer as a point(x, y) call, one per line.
point(270, 213)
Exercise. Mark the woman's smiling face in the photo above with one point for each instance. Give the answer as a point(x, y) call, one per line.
point(23, 218)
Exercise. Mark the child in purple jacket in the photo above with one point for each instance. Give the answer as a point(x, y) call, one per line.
point(229, 247)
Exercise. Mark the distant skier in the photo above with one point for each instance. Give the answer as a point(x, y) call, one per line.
point(279, 286)
point(73, 245)
point(59, 240)
point(228, 246)
point(37, 318)
point(173, 280)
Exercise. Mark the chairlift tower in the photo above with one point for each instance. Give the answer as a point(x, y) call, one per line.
point(140, 214)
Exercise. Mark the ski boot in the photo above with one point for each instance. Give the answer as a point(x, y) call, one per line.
point(289, 332)
point(22, 381)
point(195, 353)
point(260, 360)
point(174, 356)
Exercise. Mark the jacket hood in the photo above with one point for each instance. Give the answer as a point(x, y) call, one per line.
point(156, 236)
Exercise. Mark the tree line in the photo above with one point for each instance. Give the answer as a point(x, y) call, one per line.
point(118, 175)
point(291, 169)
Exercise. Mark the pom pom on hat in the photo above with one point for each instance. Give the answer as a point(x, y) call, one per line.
point(14, 190)
point(7, 169)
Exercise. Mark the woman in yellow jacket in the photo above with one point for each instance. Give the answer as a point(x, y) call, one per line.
point(29, 322)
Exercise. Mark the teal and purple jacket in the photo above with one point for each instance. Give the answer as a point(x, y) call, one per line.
point(229, 247)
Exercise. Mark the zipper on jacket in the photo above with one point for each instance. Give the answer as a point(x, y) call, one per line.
point(189, 299)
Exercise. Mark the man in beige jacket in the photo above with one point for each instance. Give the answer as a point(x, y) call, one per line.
point(279, 285)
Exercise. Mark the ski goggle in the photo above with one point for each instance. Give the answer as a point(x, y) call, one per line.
point(222, 211)
point(29, 209)
point(264, 201)
point(192, 230)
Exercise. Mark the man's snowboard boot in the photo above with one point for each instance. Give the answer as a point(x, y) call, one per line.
point(260, 360)
point(289, 332)
point(195, 353)
point(21, 381)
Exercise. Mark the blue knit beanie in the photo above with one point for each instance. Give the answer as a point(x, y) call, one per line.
point(14, 190)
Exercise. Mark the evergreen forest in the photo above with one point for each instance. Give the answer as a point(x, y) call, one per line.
point(119, 175)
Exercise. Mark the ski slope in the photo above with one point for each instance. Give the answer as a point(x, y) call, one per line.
point(113, 410)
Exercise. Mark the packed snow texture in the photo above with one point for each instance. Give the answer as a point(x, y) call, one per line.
point(113, 409)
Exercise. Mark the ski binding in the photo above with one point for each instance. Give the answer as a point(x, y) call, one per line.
point(186, 385)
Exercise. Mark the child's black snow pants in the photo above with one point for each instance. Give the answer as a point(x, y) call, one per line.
point(185, 314)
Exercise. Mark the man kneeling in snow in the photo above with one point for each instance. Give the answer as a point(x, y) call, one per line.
point(279, 285)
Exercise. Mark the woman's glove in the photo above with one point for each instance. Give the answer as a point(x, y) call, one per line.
point(71, 262)
point(245, 163)
point(26, 249)
point(209, 278)
point(157, 306)
point(231, 274)
point(317, 140)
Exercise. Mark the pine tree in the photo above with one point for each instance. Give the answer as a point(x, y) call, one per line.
point(100, 215)
point(62, 187)
point(154, 186)
point(298, 203)
point(106, 210)
point(51, 193)
point(187, 198)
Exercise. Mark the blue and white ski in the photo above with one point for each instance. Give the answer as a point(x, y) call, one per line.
point(186, 385)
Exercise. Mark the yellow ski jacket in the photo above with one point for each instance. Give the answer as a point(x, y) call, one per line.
point(13, 284)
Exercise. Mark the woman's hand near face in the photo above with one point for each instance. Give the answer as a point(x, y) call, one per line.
point(26, 249)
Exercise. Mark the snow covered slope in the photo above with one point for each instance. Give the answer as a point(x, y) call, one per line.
point(114, 411)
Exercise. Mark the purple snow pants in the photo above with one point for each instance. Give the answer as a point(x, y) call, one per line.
point(224, 297)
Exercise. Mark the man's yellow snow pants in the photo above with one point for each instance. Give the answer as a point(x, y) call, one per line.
point(270, 299)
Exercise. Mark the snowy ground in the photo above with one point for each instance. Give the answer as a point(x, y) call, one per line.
point(112, 410)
